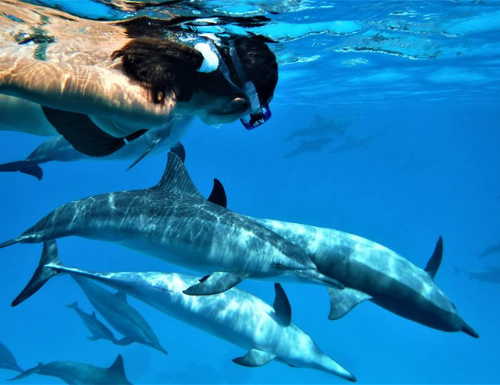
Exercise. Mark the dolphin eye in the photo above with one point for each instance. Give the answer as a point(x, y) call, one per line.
point(278, 265)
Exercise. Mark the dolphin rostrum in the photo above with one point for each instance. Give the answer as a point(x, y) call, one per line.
point(7, 359)
point(59, 149)
point(116, 310)
point(78, 373)
point(235, 315)
point(370, 271)
point(96, 327)
point(172, 221)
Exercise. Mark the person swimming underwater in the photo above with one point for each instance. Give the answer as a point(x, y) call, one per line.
point(99, 88)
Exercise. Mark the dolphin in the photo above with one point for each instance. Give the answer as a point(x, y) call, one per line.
point(7, 359)
point(235, 315)
point(493, 249)
point(322, 127)
point(370, 271)
point(96, 327)
point(115, 309)
point(353, 143)
point(78, 373)
point(58, 149)
point(308, 146)
point(172, 221)
point(490, 274)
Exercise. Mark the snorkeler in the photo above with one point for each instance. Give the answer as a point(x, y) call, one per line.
point(99, 88)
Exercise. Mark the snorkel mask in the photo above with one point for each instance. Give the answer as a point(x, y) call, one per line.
point(259, 113)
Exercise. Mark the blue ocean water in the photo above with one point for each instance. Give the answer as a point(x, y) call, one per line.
point(408, 92)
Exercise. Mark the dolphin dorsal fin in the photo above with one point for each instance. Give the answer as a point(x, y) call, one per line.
point(435, 260)
point(218, 194)
point(175, 179)
point(121, 296)
point(117, 366)
point(282, 306)
point(93, 315)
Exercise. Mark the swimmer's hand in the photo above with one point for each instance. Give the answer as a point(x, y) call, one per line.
point(102, 92)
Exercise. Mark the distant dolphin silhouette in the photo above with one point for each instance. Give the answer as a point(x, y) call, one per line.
point(7, 359)
point(370, 271)
point(58, 149)
point(490, 274)
point(96, 327)
point(235, 315)
point(172, 221)
point(322, 127)
point(308, 146)
point(120, 315)
point(78, 373)
point(493, 249)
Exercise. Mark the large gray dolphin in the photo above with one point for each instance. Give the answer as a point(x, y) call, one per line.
point(96, 327)
point(58, 149)
point(172, 221)
point(120, 315)
point(370, 271)
point(7, 359)
point(235, 315)
point(78, 373)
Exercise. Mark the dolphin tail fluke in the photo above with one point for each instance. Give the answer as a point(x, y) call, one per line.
point(24, 166)
point(26, 373)
point(47, 268)
point(468, 330)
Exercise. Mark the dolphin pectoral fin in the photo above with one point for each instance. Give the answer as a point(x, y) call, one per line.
point(121, 296)
point(124, 341)
point(435, 260)
point(215, 283)
point(318, 277)
point(343, 301)
point(92, 338)
point(254, 358)
point(218, 194)
point(145, 153)
point(282, 306)
point(27, 373)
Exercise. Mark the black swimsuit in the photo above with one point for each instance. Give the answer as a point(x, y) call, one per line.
point(84, 135)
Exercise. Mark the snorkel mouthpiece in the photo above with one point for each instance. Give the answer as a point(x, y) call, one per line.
point(259, 113)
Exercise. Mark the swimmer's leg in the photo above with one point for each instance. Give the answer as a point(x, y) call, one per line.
point(23, 116)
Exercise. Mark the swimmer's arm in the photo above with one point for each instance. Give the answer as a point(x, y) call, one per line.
point(103, 92)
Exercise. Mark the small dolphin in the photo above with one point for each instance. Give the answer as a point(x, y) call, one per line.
point(370, 271)
point(353, 143)
point(78, 373)
point(7, 359)
point(323, 127)
point(58, 149)
point(96, 327)
point(493, 249)
point(490, 274)
point(172, 221)
point(120, 315)
point(308, 146)
point(235, 315)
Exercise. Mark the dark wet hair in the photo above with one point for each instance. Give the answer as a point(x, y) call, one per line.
point(169, 69)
